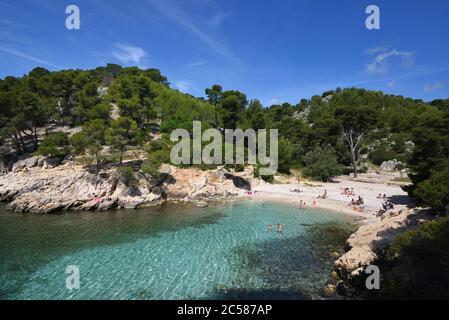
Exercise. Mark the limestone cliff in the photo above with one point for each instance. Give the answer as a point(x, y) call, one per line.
point(37, 186)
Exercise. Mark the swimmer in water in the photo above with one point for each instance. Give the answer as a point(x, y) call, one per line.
point(270, 228)
point(280, 228)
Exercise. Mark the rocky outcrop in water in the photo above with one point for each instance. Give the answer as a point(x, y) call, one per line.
point(37, 185)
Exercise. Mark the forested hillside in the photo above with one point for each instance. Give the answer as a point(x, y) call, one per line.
point(115, 109)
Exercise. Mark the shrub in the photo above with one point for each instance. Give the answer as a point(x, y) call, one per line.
point(79, 142)
point(415, 265)
point(160, 144)
point(126, 175)
point(285, 156)
point(322, 164)
point(55, 145)
point(434, 192)
point(155, 160)
point(268, 179)
point(100, 111)
point(382, 153)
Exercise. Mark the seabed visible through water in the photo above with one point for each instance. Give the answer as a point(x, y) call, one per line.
point(224, 251)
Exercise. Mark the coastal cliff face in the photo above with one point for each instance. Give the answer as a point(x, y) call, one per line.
point(38, 187)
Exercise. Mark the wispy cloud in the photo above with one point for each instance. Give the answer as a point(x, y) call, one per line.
point(25, 56)
point(391, 84)
point(219, 18)
point(7, 22)
point(383, 58)
point(433, 86)
point(376, 50)
point(171, 11)
point(183, 85)
point(196, 64)
point(126, 53)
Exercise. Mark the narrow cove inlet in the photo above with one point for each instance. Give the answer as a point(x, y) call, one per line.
point(224, 251)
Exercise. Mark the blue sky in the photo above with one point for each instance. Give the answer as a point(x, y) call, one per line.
point(276, 51)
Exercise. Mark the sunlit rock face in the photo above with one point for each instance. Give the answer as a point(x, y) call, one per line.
point(41, 185)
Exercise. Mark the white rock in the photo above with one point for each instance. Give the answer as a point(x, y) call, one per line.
point(390, 165)
point(71, 187)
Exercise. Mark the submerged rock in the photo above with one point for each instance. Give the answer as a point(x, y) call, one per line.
point(335, 255)
point(334, 275)
point(329, 291)
point(201, 204)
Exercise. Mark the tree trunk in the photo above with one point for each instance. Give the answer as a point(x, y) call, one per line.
point(353, 144)
point(215, 114)
point(354, 163)
point(36, 142)
point(22, 142)
point(16, 141)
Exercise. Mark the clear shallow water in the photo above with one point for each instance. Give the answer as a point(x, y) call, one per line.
point(172, 252)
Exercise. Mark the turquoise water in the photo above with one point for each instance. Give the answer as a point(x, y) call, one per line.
point(172, 252)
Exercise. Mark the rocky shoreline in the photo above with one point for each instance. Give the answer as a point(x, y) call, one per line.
point(37, 187)
point(364, 246)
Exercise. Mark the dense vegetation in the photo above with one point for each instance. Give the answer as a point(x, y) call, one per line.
point(119, 108)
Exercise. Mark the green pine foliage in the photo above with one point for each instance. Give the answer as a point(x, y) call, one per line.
point(118, 108)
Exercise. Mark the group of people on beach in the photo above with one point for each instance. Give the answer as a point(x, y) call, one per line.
point(386, 206)
point(357, 205)
point(348, 192)
point(358, 202)
point(251, 193)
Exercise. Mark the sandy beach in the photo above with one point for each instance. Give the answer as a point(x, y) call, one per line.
point(335, 199)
